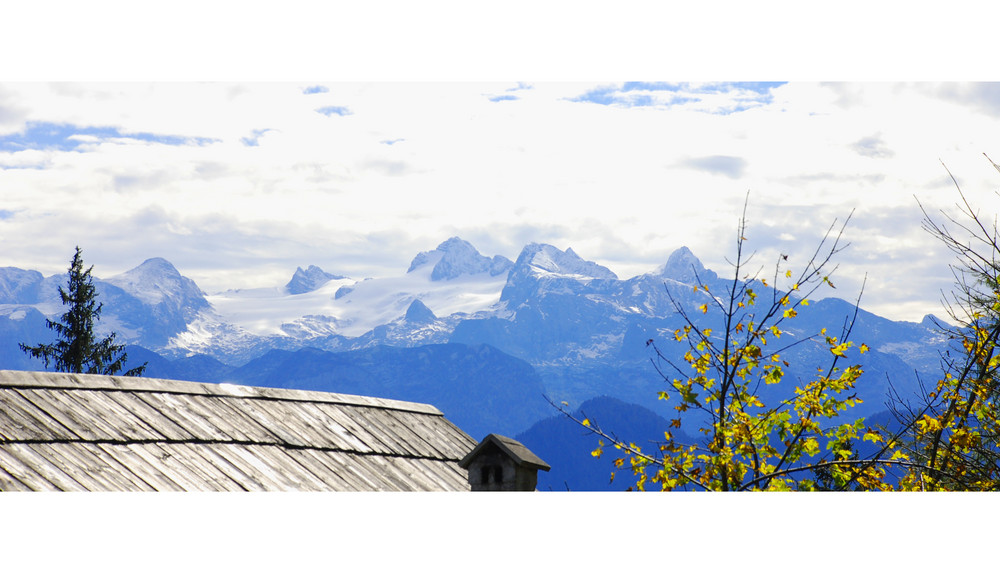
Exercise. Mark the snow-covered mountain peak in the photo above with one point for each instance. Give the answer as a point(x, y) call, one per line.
point(308, 280)
point(455, 257)
point(19, 286)
point(155, 280)
point(544, 258)
point(685, 267)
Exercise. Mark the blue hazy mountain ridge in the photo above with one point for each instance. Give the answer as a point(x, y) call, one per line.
point(579, 327)
point(566, 446)
point(479, 388)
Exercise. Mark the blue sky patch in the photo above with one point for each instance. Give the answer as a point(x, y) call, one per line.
point(746, 95)
point(650, 86)
point(334, 110)
point(504, 98)
point(391, 142)
point(315, 89)
point(67, 137)
point(253, 140)
point(5, 214)
point(761, 87)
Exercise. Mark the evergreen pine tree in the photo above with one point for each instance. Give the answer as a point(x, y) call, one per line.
point(76, 350)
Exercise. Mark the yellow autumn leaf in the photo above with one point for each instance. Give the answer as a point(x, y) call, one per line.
point(863, 348)
point(704, 308)
point(586, 422)
point(788, 274)
point(839, 349)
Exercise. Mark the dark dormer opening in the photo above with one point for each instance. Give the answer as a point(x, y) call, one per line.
point(491, 475)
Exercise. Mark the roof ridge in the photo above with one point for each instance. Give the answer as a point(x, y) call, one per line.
point(79, 381)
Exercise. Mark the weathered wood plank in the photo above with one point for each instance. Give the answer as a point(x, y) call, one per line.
point(160, 460)
point(12, 401)
point(118, 475)
point(405, 440)
point(13, 429)
point(450, 442)
point(83, 469)
point(19, 425)
point(180, 458)
point(42, 465)
point(299, 419)
point(340, 416)
point(68, 411)
point(418, 480)
point(213, 411)
point(319, 475)
point(9, 483)
point(174, 407)
point(243, 479)
point(331, 473)
point(369, 421)
point(270, 417)
point(248, 427)
point(220, 471)
point(349, 464)
point(128, 425)
point(419, 433)
point(245, 458)
point(416, 470)
point(127, 456)
point(280, 460)
point(339, 464)
point(362, 468)
point(435, 474)
point(24, 473)
point(390, 474)
point(163, 425)
point(338, 435)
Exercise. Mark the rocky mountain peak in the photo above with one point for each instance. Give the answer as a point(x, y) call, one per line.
point(419, 313)
point(549, 259)
point(157, 280)
point(455, 257)
point(685, 267)
point(311, 279)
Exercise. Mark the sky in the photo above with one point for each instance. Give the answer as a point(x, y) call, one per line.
point(239, 181)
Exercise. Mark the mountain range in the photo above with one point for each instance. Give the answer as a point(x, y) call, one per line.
point(485, 339)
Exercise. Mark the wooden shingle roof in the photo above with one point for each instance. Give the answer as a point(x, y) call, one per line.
point(62, 431)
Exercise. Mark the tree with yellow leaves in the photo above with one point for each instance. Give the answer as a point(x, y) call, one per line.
point(746, 443)
point(954, 432)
